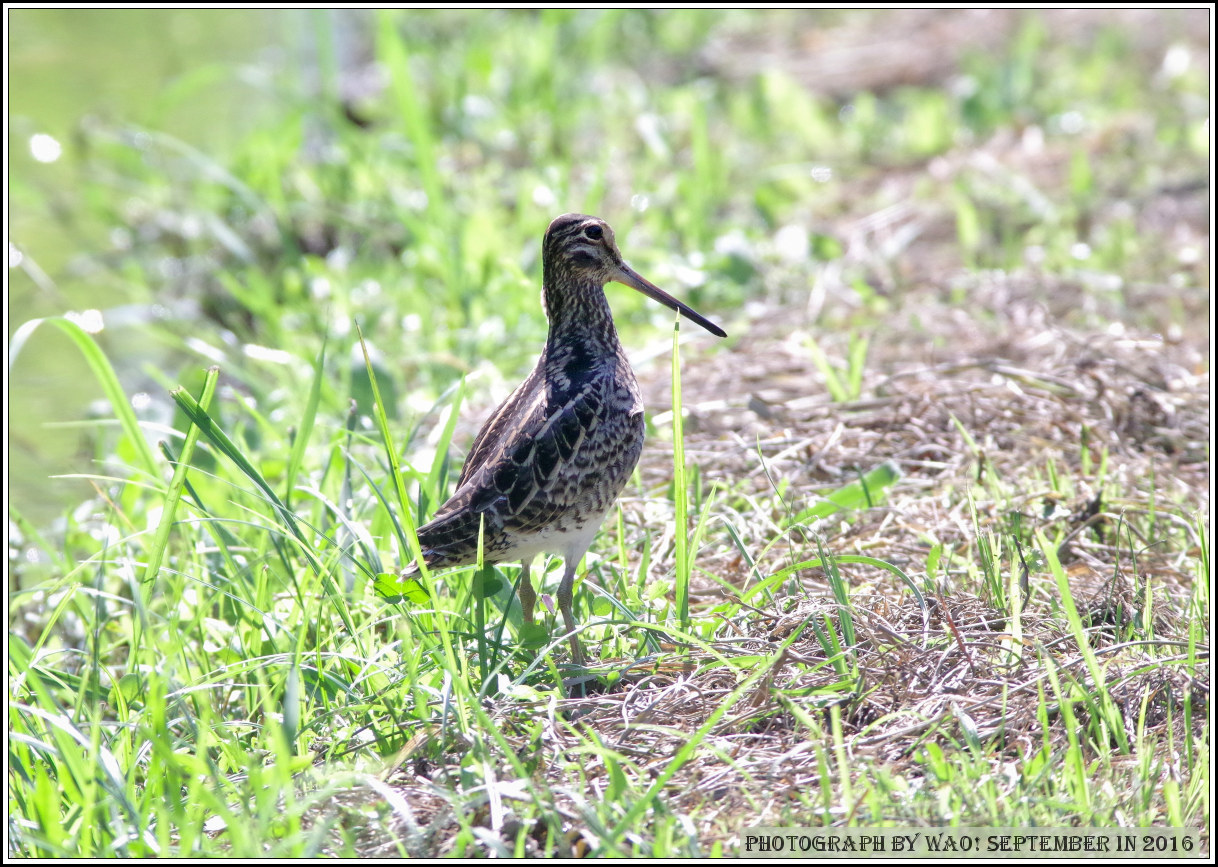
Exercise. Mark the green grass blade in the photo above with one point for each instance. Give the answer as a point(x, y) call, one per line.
point(865, 493)
point(679, 488)
point(305, 430)
point(106, 378)
point(1104, 701)
point(204, 422)
point(177, 484)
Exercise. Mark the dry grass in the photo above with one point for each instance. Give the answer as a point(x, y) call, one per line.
point(842, 54)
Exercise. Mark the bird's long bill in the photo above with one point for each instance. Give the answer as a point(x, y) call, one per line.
point(625, 274)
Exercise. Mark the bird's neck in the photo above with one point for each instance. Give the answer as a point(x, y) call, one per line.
point(580, 314)
point(582, 344)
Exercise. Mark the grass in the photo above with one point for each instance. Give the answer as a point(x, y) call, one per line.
point(924, 543)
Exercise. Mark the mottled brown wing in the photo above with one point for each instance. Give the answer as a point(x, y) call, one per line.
point(527, 471)
point(515, 412)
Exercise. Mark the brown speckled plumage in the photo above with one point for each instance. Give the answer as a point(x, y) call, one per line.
point(549, 463)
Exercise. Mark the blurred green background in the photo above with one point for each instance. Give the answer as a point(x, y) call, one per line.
point(79, 79)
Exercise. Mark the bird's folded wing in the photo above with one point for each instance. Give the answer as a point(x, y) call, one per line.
point(510, 477)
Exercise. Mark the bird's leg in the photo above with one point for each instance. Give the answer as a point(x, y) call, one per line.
point(565, 592)
point(528, 596)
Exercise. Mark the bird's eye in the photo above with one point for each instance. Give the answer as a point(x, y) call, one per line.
point(594, 232)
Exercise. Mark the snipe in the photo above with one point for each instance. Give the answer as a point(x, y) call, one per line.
point(549, 463)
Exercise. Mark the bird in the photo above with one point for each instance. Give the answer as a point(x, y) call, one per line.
point(550, 462)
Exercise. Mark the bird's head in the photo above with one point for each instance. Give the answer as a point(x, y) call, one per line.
point(580, 250)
